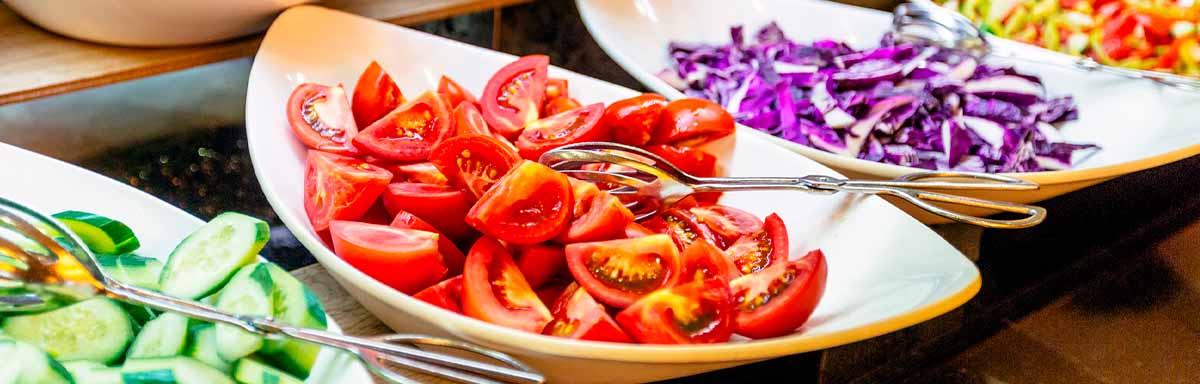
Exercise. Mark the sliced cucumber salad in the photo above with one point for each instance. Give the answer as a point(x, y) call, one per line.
point(102, 341)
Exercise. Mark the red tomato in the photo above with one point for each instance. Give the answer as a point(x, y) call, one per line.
point(559, 105)
point(578, 316)
point(540, 263)
point(550, 293)
point(530, 205)
point(779, 299)
point(408, 132)
point(514, 95)
point(439, 205)
point(635, 230)
point(338, 187)
point(320, 117)
point(729, 223)
point(690, 160)
point(377, 214)
point(696, 312)
point(446, 294)
point(556, 88)
point(702, 260)
point(453, 93)
point(424, 172)
point(468, 121)
point(473, 161)
point(451, 255)
point(685, 230)
point(618, 272)
point(691, 122)
point(494, 290)
point(576, 125)
point(404, 259)
point(375, 95)
point(633, 120)
point(758, 250)
point(597, 215)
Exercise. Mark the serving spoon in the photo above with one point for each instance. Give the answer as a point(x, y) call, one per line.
point(641, 174)
point(44, 266)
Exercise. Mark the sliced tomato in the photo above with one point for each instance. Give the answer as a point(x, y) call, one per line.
point(684, 229)
point(440, 205)
point(529, 205)
point(495, 291)
point(692, 313)
point(633, 120)
point(550, 293)
point(702, 260)
point(691, 160)
point(468, 121)
point(559, 105)
point(578, 316)
point(618, 272)
point(451, 255)
point(597, 215)
point(454, 94)
point(320, 117)
point(473, 161)
point(375, 95)
point(408, 132)
point(338, 187)
point(691, 122)
point(423, 172)
point(728, 223)
point(377, 214)
point(541, 263)
point(556, 88)
point(635, 230)
point(515, 94)
point(569, 127)
point(759, 250)
point(404, 259)
point(446, 294)
point(779, 299)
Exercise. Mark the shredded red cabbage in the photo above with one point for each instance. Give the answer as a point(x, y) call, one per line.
point(900, 103)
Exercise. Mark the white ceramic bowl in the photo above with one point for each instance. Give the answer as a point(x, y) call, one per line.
point(151, 23)
point(48, 185)
point(886, 270)
point(1139, 124)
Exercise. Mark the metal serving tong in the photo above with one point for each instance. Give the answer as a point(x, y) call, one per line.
point(641, 174)
point(44, 266)
point(924, 21)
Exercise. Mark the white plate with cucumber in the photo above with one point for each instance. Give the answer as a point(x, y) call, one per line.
point(146, 242)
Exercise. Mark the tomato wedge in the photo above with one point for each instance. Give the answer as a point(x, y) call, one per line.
point(702, 261)
point(597, 215)
point(408, 132)
point(468, 121)
point(684, 229)
point(729, 223)
point(559, 105)
point(453, 93)
point(375, 95)
point(382, 252)
point(692, 313)
point(578, 316)
point(550, 293)
point(691, 122)
point(424, 172)
point(473, 161)
point(494, 290)
point(633, 120)
point(759, 250)
point(690, 160)
point(440, 205)
point(541, 263)
point(515, 94)
point(779, 299)
point(618, 272)
point(338, 187)
point(556, 88)
point(446, 294)
point(530, 205)
point(451, 255)
point(572, 126)
point(635, 230)
point(320, 117)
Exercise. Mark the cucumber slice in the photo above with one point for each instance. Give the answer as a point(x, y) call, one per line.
point(207, 258)
point(202, 346)
point(139, 314)
point(251, 371)
point(249, 292)
point(295, 305)
point(99, 233)
point(25, 364)
point(87, 372)
point(177, 370)
point(132, 269)
point(96, 329)
point(162, 337)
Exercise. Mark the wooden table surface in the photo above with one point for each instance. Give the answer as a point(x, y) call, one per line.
point(39, 63)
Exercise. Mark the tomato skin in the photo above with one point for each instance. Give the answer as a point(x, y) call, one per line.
point(744, 252)
point(540, 263)
point(375, 95)
point(597, 215)
point(702, 261)
point(454, 94)
point(654, 258)
point(382, 252)
point(439, 205)
point(634, 230)
point(331, 108)
point(728, 223)
point(578, 316)
point(529, 205)
point(446, 294)
point(489, 273)
point(408, 132)
point(559, 105)
point(654, 319)
point(577, 125)
point(633, 120)
point(556, 88)
point(473, 161)
point(338, 187)
point(523, 97)
point(691, 122)
point(423, 172)
point(788, 309)
point(451, 255)
point(690, 160)
point(685, 230)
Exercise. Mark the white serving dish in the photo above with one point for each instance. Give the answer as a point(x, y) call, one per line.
point(48, 186)
point(886, 270)
point(1139, 124)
